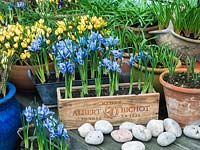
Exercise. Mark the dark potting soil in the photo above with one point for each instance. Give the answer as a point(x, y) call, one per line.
point(191, 36)
point(181, 80)
point(158, 65)
point(105, 92)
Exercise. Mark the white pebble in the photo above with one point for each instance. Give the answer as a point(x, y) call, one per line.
point(156, 127)
point(166, 138)
point(104, 126)
point(84, 129)
point(127, 126)
point(192, 131)
point(141, 133)
point(172, 126)
point(94, 138)
point(122, 135)
point(134, 145)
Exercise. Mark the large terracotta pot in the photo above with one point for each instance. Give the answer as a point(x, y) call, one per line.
point(183, 104)
point(184, 46)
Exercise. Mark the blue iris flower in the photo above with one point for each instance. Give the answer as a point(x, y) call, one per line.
point(59, 133)
point(117, 54)
point(93, 45)
point(63, 49)
point(44, 112)
point(62, 67)
point(36, 45)
point(115, 67)
point(70, 68)
point(50, 124)
point(80, 56)
point(21, 5)
point(83, 41)
point(132, 60)
point(110, 42)
point(66, 67)
point(143, 56)
point(94, 36)
point(29, 114)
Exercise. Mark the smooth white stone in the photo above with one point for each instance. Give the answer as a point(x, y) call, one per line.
point(192, 131)
point(166, 138)
point(94, 138)
point(104, 126)
point(141, 133)
point(172, 126)
point(134, 145)
point(122, 135)
point(127, 126)
point(84, 129)
point(156, 127)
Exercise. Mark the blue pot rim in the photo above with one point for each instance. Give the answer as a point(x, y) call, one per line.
point(11, 93)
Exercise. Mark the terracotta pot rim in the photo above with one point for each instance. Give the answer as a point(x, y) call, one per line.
point(160, 70)
point(185, 38)
point(176, 88)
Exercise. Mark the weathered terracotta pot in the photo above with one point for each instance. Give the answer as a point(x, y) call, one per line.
point(184, 46)
point(183, 104)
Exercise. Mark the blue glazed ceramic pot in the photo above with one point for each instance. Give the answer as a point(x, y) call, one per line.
point(9, 119)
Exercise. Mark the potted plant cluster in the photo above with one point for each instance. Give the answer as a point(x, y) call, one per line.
point(105, 58)
point(181, 89)
point(9, 107)
point(178, 29)
point(40, 130)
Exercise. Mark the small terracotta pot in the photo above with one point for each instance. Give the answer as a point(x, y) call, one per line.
point(18, 76)
point(183, 104)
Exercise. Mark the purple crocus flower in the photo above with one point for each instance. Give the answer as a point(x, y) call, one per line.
point(60, 4)
point(43, 112)
point(29, 114)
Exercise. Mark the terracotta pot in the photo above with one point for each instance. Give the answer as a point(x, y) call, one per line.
point(184, 46)
point(183, 104)
point(18, 76)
